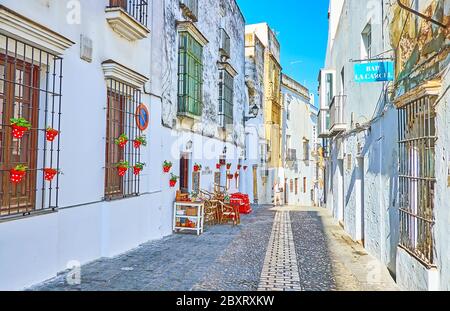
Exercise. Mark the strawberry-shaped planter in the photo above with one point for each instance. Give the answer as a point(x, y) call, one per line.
point(122, 141)
point(167, 166)
point(140, 141)
point(138, 168)
point(230, 176)
point(239, 167)
point(50, 173)
point(173, 181)
point(218, 166)
point(245, 167)
point(197, 167)
point(228, 166)
point(19, 127)
point(50, 134)
point(17, 174)
point(122, 168)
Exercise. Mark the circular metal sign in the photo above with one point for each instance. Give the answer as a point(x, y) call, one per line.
point(142, 117)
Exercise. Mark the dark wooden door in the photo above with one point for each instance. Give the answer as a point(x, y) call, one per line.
point(19, 98)
point(184, 174)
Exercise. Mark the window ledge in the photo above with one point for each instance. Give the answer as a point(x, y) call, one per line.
point(189, 27)
point(189, 116)
point(125, 25)
point(429, 88)
point(26, 29)
point(228, 67)
point(116, 71)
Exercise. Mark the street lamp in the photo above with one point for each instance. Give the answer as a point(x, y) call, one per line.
point(254, 111)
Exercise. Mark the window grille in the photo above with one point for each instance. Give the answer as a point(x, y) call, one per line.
point(122, 103)
point(138, 9)
point(190, 76)
point(226, 91)
point(30, 88)
point(417, 139)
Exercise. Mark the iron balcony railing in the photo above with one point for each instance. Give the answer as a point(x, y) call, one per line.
point(337, 118)
point(138, 9)
point(225, 43)
point(190, 8)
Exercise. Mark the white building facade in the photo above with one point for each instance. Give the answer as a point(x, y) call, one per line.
point(370, 132)
point(299, 143)
point(97, 71)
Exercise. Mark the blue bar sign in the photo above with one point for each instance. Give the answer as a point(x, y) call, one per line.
point(374, 72)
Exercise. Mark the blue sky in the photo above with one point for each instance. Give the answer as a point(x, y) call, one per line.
point(302, 29)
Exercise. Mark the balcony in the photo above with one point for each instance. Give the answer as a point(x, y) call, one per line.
point(291, 155)
point(128, 18)
point(190, 9)
point(324, 123)
point(337, 117)
point(225, 45)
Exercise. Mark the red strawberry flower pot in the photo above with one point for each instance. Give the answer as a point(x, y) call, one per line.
point(17, 174)
point(245, 167)
point(138, 168)
point(140, 141)
point(122, 141)
point(173, 181)
point(50, 134)
point(167, 166)
point(197, 167)
point(122, 168)
point(239, 167)
point(230, 176)
point(228, 166)
point(19, 127)
point(50, 173)
point(218, 166)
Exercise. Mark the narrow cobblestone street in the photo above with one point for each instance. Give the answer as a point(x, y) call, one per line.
point(273, 249)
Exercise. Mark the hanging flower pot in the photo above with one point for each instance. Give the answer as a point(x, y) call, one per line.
point(173, 181)
point(138, 168)
point(245, 167)
point(167, 166)
point(50, 134)
point(19, 127)
point(239, 167)
point(122, 141)
point(230, 176)
point(218, 166)
point(228, 166)
point(236, 175)
point(50, 173)
point(122, 168)
point(140, 141)
point(17, 174)
point(197, 167)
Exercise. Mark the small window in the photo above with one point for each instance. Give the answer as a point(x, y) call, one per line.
point(366, 52)
point(226, 90)
point(330, 87)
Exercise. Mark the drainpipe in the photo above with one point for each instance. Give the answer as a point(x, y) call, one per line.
point(427, 18)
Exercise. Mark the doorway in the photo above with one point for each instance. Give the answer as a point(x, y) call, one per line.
point(359, 187)
point(340, 194)
point(184, 173)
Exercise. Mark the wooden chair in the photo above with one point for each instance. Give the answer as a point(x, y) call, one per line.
point(229, 214)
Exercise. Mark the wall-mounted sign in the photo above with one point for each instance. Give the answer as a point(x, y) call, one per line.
point(142, 117)
point(374, 72)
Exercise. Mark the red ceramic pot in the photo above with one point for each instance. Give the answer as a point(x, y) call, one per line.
point(51, 134)
point(49, 174)
point(172, 183)
point(122, 171)
point(18, 131)
point(137, 144)
point(16, 176)
point(167, 169)
point(136, 171)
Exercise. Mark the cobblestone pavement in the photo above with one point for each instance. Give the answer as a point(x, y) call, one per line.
point(241, 258)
